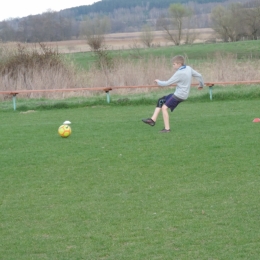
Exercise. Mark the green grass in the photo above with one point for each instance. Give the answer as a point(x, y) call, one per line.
point(117, 189)
point(195, 52)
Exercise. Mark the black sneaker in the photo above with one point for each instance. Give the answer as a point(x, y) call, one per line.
point(165, 130)
point(149, 121)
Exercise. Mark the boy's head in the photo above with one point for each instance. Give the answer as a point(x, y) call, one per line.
point(178, 61)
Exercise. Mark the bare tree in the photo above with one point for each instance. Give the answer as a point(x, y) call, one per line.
point(227, 22)
point(164, 23)
point(173, 26)
point(251, 18)
point(147, 36)
point(190, 35)
point(94, 31)
point(219, 22)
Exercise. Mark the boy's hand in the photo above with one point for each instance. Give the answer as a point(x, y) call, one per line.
point(156, 81)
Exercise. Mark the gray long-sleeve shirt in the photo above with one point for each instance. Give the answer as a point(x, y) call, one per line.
point(182, 77)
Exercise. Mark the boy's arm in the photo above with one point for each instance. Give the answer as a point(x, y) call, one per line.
point(198, 76)
point(172, 80)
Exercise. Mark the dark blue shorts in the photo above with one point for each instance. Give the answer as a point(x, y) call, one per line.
point(170, 101)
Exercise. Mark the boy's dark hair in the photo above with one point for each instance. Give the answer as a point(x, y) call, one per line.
point(178, 59)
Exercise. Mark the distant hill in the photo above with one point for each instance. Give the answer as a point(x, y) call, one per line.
point(109, 6)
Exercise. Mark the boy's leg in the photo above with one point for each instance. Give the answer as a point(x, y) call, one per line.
point(172, 103)
point(156, 113)
point(151, 121)
point(166, 117)
point(158, 108)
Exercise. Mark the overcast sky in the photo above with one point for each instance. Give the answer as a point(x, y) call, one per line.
point(22, 8)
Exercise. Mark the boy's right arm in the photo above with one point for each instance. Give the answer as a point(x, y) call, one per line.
point(169, 82)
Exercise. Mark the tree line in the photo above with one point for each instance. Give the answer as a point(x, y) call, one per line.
point(231, 21)
point(109, 6)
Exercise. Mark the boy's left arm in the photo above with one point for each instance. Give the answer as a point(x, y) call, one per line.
point(198, 76)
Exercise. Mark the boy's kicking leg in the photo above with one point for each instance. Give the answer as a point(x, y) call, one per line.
point(156, 113)
point(151, 121)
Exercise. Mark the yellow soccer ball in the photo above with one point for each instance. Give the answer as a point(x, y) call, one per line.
point(64, 131)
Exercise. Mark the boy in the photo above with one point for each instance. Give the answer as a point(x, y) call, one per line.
point(182, 77)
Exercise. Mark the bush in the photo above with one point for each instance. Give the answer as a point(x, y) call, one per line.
point(40, 67)
point(23, 59)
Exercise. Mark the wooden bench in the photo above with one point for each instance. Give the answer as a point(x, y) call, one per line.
point(107, 90)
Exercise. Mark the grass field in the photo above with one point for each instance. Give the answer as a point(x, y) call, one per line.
point(195, 52)
point(117, 189)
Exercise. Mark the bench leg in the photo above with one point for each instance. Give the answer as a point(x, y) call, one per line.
point(210, 92)
point(108, 97)
point(14, 101)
